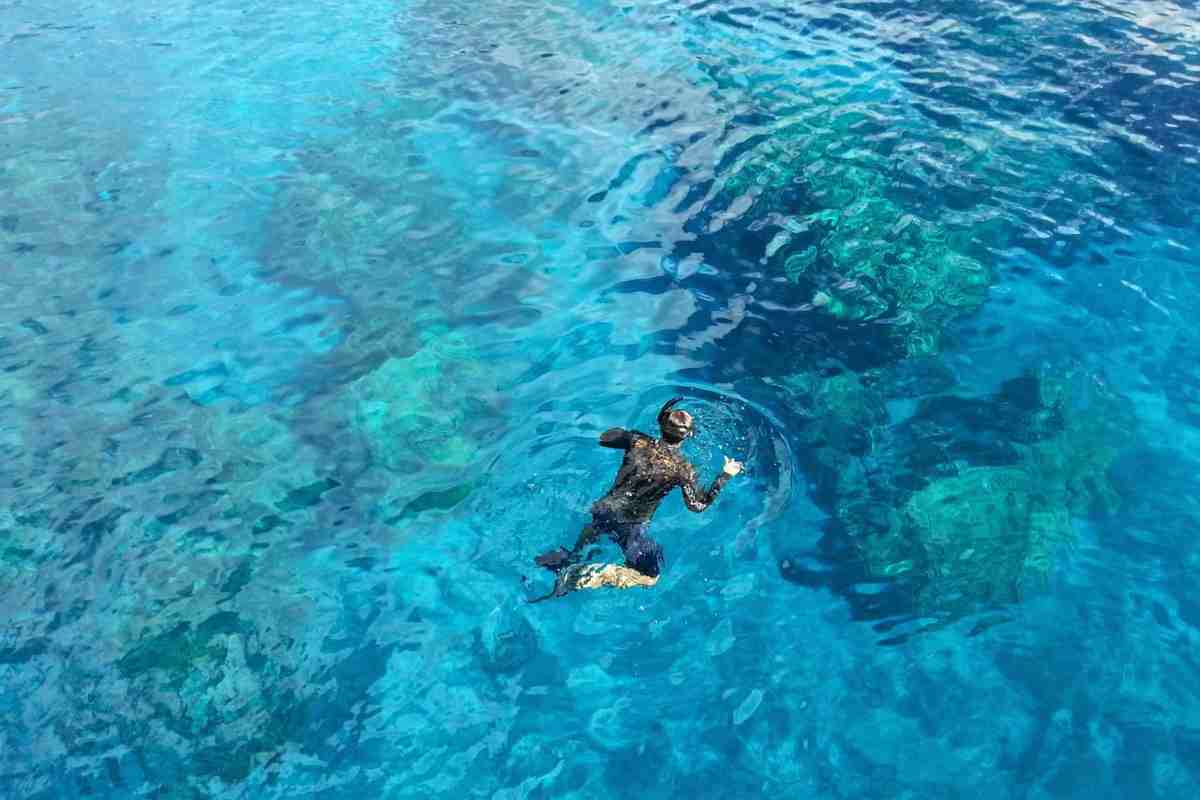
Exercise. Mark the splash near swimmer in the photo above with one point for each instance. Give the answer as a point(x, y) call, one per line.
point(650, 470)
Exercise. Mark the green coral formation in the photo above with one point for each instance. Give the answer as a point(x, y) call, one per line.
point(978, 535)
point(972, 537)
point(415, 395)
point(403, 407)
point(872, 261)
point(842, 409)
point(965, 503)
point(424, 415)
point(890, 260)
point(835, 226)
point(1097, 426)
point(179, 651)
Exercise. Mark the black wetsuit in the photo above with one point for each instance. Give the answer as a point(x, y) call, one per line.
point(650, 470)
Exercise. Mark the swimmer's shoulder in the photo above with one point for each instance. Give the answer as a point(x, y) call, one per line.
point(640, 440)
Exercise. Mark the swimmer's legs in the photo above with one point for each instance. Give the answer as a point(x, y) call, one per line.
point(616, 576)
point(643, 563)
point(553, 593)
point(597, 576)
point(643, 555)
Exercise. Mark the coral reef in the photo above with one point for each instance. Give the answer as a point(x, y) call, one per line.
point(963, 504)
point(855, 253)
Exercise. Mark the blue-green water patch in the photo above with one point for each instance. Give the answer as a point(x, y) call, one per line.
point(315, 314)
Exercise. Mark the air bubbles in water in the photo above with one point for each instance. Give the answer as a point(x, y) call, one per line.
point(723, 428)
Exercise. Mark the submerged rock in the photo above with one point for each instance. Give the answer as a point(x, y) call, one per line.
point(426, 416)
point(507, 640)
point(978, 535)
point(411, 409)
point(871, 261)
point(617, 727)
point(872, 264)
point(965, 502)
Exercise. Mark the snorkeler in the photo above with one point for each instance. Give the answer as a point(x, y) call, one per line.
point(649, 471)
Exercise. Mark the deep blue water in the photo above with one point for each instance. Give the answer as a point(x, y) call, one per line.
point(310, 314)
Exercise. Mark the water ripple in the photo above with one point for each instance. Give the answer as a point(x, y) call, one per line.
point(314, 314)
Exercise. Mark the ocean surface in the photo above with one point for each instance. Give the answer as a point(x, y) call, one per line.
point(311, 314)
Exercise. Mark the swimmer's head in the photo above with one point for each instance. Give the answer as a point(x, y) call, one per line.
point(675, 425)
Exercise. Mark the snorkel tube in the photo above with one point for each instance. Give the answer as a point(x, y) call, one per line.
point(665, 411)
point(674, 425)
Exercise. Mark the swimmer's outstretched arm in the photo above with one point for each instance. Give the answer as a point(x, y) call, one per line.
point(697, 499)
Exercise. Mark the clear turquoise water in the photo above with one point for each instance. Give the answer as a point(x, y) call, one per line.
point(310, 314)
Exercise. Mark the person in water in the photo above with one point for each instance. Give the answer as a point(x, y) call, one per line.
point(649, 471)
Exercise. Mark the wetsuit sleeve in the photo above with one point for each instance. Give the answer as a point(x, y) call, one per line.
point(618, 438)
point(695, 498)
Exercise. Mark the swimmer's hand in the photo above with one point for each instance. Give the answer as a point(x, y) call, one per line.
point(731, 467)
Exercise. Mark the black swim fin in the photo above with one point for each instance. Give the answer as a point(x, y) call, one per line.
point(560, 590)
